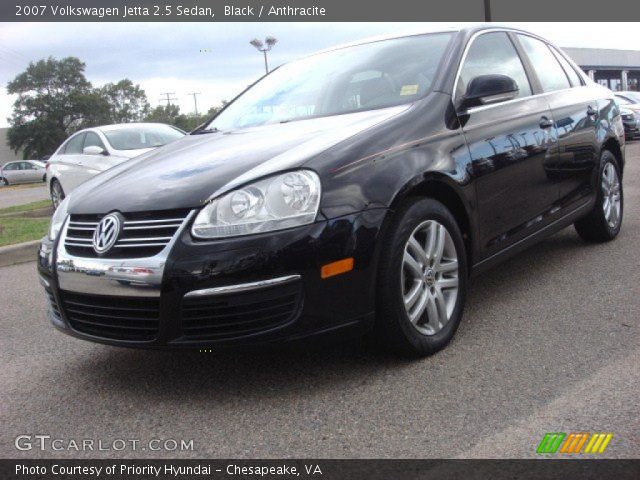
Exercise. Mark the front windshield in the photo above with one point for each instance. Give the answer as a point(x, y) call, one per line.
point(142, 136)
point(363, 77)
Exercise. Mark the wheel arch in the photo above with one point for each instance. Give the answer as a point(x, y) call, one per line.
point(445, 190)
point(614, 147)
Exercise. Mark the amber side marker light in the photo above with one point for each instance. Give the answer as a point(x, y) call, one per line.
point(336, 268)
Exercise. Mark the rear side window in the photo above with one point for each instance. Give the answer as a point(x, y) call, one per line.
point(549, 71)
point(493, 53)
point(74, 145)
point(574, 78)
point(11, 166)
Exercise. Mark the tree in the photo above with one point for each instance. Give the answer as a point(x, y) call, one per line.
point(54, 100)
point(127, 102)
point(171, 115)
point(213, 111)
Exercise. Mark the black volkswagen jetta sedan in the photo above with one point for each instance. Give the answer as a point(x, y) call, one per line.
point(354, 190)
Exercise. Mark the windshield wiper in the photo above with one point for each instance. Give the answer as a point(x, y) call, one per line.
point(205, 130)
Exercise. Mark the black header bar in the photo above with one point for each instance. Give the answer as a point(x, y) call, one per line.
point(317, 10)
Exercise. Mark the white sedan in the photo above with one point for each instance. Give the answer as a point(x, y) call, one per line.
point(94, 150)
point(22, 171)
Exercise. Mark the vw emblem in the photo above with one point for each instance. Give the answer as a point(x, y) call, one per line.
point(106, 233)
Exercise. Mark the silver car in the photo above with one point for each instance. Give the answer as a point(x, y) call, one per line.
point(94, 150)
point(23, 171)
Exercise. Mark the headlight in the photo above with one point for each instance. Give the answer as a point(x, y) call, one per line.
point(59, 216)
point(275, 203)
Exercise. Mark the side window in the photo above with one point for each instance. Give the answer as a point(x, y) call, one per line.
point(493, 53)
point(549, 71)
point(93, 140)
point(74, 145)
point(574, 78)
point(11, 166)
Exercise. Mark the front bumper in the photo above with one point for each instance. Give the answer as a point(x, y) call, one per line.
point(150, 302)
point(631, 128)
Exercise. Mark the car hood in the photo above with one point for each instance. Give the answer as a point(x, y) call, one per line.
point(190, 171)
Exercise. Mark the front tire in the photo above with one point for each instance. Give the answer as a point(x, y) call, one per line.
point(57, 193)
point(603, 223)
point(422, 279)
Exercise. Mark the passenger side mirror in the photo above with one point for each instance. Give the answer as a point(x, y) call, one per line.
point(488, 89)
point(94, 150)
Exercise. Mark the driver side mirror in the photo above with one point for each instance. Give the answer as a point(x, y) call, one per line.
point(94, 150)
point(488, 89)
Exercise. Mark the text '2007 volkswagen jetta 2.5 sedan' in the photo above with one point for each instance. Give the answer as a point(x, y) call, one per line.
point(354, 190)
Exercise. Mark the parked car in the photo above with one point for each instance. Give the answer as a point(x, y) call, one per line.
point(94, 150)
point(631, 122)
point(628, 97)
point(351, 191)
point(22, 171)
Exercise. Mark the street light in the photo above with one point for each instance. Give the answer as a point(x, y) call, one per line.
point(268, 44)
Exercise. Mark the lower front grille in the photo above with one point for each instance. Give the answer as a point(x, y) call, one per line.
point(53, 305)
point(240, 314)
point(118, 318)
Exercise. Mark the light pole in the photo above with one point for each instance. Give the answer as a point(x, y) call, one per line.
point(268, 44)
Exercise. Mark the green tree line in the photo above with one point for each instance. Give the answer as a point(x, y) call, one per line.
point(55, 99)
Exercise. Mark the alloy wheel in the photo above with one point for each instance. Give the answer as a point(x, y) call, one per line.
point(611, 195)
point(56, 194)
point(429, 277)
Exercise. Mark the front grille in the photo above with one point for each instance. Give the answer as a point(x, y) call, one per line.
point(120, 318)
point(627, 117)
point(53, 305)
point(240, 314)
point(143, 234)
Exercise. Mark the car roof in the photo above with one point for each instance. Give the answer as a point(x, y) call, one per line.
point(121, 126)
point(129, 126)
point(466, 32)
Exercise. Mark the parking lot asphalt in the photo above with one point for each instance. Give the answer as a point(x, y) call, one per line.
point(549, 343)
point(21, 194)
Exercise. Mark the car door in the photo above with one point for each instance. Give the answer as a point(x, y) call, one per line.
point(70, 163)
point(575, 114)
point(100, 162)
point(511, 144)
point(32, 173)
point(12, 172)
point(91, 164)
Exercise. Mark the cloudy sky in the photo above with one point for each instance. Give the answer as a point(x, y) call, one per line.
point(216, 59)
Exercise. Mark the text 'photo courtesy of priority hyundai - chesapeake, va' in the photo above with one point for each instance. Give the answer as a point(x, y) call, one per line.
point(236, 248)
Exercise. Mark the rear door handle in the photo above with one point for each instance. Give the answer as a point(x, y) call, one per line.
point(592, 112)
point(545, 123)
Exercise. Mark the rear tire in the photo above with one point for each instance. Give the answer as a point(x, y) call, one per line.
point(603, 223)
point(57, 193)
point(422, 279)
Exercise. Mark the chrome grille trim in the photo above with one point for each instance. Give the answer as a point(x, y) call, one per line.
point(242, 287)
point(149, 236)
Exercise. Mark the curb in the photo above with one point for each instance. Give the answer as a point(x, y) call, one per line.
point(19, 253)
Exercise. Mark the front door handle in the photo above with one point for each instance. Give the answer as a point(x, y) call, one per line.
point(545, 123)
point(592, 112)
